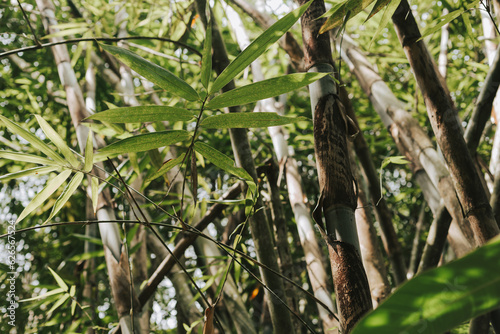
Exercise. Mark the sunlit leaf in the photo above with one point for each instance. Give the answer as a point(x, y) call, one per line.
point(59, 280)
point(444, 20)
point(49, 189)
point(248, 120)
point(94, 185)
point(221, 160)
point(142, 114)
point(206, 60)
point(379, 5)
point(167, 166)
point(146, 142)
point(27, 172)
point(55, 138)
point(337, 14)
point(441, 299)
point(263, 90)
point(17, 156)
point(33, 140)
point(45, 295)
point(386, 17)
point(59, 303)
point(67, 32)
point(257, 47)
point(66, 194)
point(154, 73)
point(89, 153)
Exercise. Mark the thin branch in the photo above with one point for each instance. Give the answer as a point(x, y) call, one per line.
point(29, 24)
point(96, 39)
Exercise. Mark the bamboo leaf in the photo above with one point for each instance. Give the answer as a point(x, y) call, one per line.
point(33, 140)
point(154, 73)
point(66, 194)
point(94, 185)
point(248, 120)
point(206, 64)
point(54, 137)
point(339, 12)
point(28, 172)
point(45, 295)
point(59, 303)
point(389, 11)
point(441, 299)
point(263, 89)
point(221, 160)
point(444, 20)
point(59, 280)
point(67, 32)
point(143, 114)
point(49, 189)
point(17, 156)
point(379, 5)
point(166, 167)
point(257, 47)
point(89, 153)
point(146, 142)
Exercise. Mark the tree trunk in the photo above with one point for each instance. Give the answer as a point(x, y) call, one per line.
point(447, 129)
point(337, 199)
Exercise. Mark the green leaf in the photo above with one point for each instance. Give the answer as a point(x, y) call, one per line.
point(94, 183)
point(444, 20)
point(441, 299)
point(59, 280)
point(154, 73)
point(389, 11)
point(54, 137)
point(72, 290)
point(28, 172)
point(45, 295)
point(221, 160)
point(397, 160)
point(206, 64)
point(49, 189)
point(17, 156)
point(146, 142)
point(66, 194)
point(378, 7)
point(59, 303)
point(143, 114)
point(263, 89)
point(248, 120)
point(166, 167)
point(257, 47)
point(89, 153)
point(339, 12)
point(33, 140)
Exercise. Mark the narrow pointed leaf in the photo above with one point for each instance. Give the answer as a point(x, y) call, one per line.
point(49, 189)
point(221, 160)
point(143, 114)
point(386, 17)
point(257, 47)
point(146, 142)
point(17, 156)
point(59, 280)
point(441, 299)
point(45, 295)
point(94, 186)
point(206, 64)
point(166, 167)
point(154, 73)
point(444, 20)
point(54, 137)
point(351, 7)
point(263, 89)
point(379, 5)
point(28, 172)
point(89, 153)
point(66, 194)
point(59, 303)
point(248, 120)
point(33, 140)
